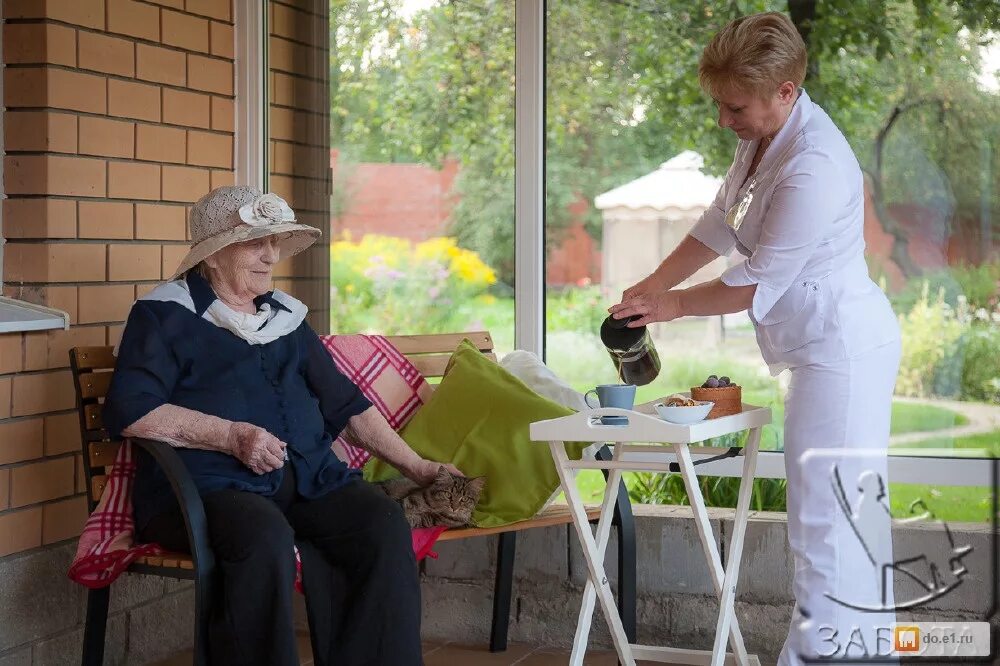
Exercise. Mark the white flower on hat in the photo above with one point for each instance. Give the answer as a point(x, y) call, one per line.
point(266, 210)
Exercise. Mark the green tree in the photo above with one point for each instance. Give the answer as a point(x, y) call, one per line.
point(623, 96)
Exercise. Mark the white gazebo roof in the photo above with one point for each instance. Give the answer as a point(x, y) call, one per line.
point(678, 183)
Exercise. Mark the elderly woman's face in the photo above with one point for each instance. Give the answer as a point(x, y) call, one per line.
point(245, 268)
point(751, 117)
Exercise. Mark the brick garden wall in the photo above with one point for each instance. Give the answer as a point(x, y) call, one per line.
point(119, 114)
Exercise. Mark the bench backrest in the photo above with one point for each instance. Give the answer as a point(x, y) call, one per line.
point(92, 368)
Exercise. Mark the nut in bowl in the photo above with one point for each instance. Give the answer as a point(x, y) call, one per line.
point(683, 410)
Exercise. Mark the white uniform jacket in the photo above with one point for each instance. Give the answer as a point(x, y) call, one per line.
point(803, 238)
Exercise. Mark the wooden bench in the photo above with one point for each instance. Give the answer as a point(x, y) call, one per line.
point(92, 369)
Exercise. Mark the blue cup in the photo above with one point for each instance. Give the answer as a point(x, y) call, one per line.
point(621, 396)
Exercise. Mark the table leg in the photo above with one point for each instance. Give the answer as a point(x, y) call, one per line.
point(594, 559)
point(718, 575)
point(727, 611)
point(603, 535)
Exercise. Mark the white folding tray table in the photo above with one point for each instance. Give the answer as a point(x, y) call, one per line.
point(649, 444)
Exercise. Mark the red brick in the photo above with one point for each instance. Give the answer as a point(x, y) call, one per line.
point(186, 108)
point(20, 440)
point(39, 218)
point(218, 9)
point(41, 131)
point(5, 388)
point(115, 335)
point(42, 481)
point(210, 74)
point(89, 13)
point(61, 298)
point(11, 353)
point(102, 303)
point(54, 262)
point(133, 262)
point(20, 530)
point(30, 43)
point(105, 137)
point(160, 222)
point(222, 178)
point(62, 433)
point(184, 183)
point(104, 53)
point(133, 100)
point(38, 393)
point(133, 180)
point(54, 174)
point(185, 31)
point(160, 144)
point(208, 149)
point(63, 520)
point(154, 63)
point(223, 40)
point(172, 256)
point(4, 491)
point(56, 88)
point(135, 19)
point(105, 219)
point(223, 114)
point(53, 346)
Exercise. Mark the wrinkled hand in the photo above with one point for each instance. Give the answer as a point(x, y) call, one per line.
point(256, 448)
point(649, 307)
point(426, 471)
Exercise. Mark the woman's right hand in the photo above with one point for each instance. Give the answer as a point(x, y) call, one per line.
point(256, 448)
point(653, 283)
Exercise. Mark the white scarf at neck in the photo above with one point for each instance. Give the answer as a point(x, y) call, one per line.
point(266, 325)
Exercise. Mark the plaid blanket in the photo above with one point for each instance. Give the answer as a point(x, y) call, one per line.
point(107, 544)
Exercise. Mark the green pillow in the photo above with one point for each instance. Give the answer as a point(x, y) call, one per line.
point(477, 419)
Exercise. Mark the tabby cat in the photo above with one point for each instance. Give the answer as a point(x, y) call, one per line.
point(448, 501)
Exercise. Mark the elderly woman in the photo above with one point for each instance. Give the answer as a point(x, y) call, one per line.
point(793, 205)
point(224, 368)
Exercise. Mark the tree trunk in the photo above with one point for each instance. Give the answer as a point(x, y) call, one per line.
point(900, 248)
point(803, 14)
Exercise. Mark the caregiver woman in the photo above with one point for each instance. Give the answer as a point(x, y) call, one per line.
point(792, 203)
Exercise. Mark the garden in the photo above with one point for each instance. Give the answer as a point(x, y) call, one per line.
point(950, 323)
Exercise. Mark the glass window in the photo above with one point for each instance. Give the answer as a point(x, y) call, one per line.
point(634, 156)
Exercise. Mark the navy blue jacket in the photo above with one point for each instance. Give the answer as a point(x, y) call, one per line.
point(289, 386)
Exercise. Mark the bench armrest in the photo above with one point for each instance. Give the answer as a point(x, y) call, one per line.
point(187, 495)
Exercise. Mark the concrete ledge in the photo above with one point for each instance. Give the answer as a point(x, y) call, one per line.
point(676, 604)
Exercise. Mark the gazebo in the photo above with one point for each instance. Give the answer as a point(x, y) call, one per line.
point(647, 217)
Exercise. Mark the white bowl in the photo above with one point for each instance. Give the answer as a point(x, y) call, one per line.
point(684, 415)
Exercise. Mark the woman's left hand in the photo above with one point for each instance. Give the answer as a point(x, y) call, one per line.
point(426, 471)
point(650, 307)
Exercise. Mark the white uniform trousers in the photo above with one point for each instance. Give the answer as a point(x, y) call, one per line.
point(837, 420)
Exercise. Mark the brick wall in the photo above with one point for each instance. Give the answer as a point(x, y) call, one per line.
point(300, 142)
point(118, 115)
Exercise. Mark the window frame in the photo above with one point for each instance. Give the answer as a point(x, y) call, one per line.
point(940, 466)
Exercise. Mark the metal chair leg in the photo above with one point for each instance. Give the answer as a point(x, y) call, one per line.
point(502, 590)
point(624, 522)
point(94, 629)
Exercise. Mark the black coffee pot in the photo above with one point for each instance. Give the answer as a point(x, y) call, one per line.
point(631, 350)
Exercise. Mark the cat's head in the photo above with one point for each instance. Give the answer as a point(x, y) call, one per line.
point(452, 498)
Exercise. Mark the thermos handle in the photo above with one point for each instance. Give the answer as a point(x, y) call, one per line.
point(586, 399)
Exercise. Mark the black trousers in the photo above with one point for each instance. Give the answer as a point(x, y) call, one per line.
point(358, 572)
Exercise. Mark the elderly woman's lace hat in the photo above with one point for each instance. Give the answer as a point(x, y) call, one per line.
point(233, 214)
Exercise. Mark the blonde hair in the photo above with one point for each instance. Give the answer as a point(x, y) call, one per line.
point(753, 54)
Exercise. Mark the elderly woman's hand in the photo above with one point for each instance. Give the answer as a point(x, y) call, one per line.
point(649, 308)
point(424, 472)
point(256, 448)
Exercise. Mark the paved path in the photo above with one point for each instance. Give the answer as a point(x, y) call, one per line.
point(982, 417)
